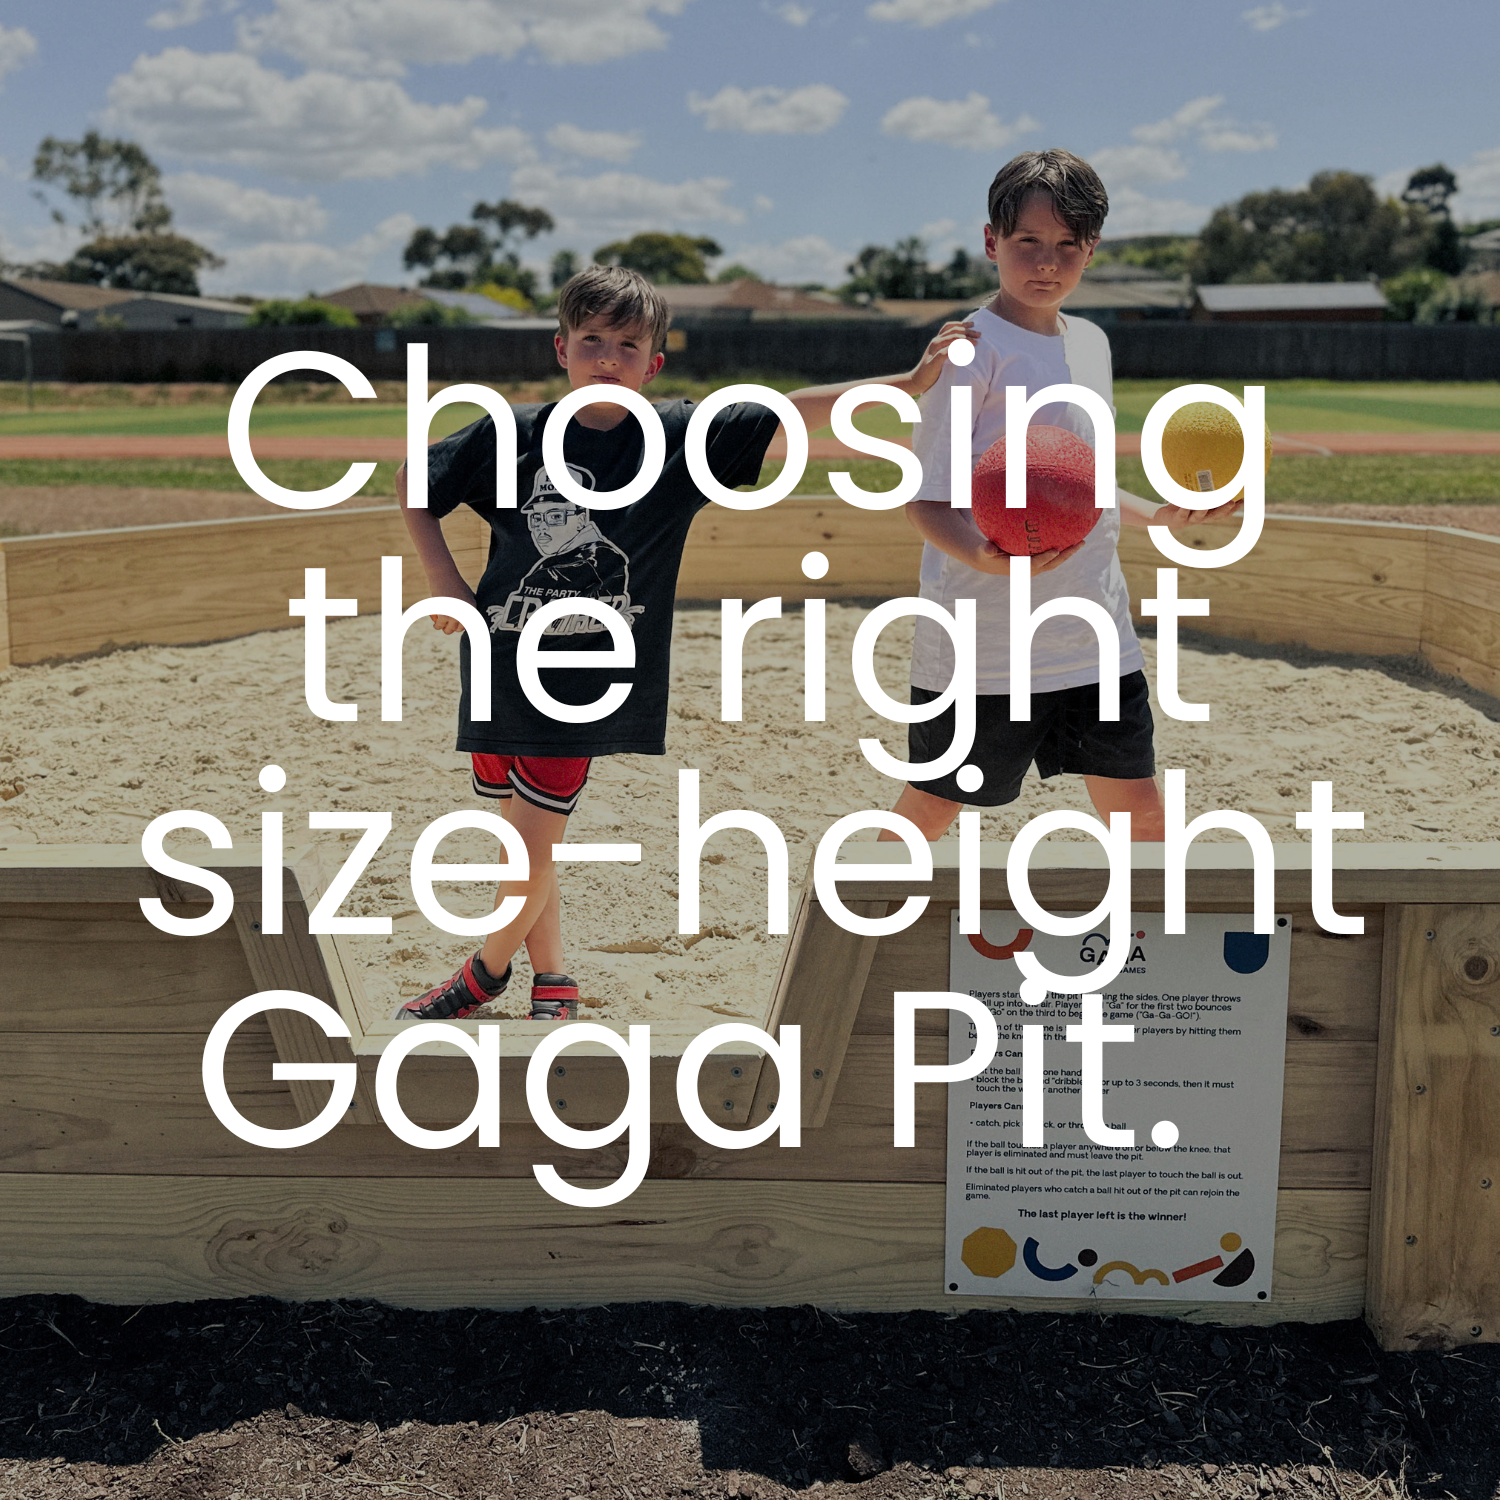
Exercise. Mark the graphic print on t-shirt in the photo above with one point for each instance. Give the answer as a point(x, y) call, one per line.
point(576, 561)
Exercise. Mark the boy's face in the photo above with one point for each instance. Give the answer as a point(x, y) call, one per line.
point(1042, 260)
point(599, 353)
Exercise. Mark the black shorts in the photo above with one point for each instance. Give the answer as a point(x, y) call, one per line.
point(1064, 736)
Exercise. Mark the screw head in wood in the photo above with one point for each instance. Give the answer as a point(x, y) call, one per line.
point(255, 927)
point(1484, 1182)
point(729, 1104)
point(1495, 1030)
point(561, 1072)
point(562, 1103)
point(736, 1072)
point(1430, 934)
point(1475, 1330)
point(817, 1072)
point(1421, 1088)
point(1411, 1239)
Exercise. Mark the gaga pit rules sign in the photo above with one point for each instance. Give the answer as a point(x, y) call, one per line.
point(1074, 1219)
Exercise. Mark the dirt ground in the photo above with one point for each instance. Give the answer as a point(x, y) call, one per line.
point(248, 1399)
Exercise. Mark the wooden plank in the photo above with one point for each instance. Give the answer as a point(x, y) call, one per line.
point(586, 1090)
point(1463, 639)
point(1435, 1218)
point(102, 1103)
point(1463, 567)
point(85, 1102)
point(4, 612)
point(1074, 877)
point(104, 968)
point(168, 585)
point(118, 874)
point(1483, 675)
point(798, 524)
point(865, 1246)
point(1320, 583)
point(819, 988)
point(134, 1105)
point(294, 960)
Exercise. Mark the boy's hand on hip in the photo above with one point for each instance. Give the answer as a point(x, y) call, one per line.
point(930, 366)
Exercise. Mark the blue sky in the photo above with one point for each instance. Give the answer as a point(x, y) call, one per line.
point(303, 139)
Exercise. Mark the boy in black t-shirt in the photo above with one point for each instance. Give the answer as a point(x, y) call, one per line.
point(612, 324)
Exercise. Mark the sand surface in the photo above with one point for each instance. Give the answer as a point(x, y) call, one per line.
point(90, 751)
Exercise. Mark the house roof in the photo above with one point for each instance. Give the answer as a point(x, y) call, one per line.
point(1127, 292)
point(917, 312)
point(370, 298)
point(1489, 240)
point(1293, 296)
point(81, 296)
point(756, 297)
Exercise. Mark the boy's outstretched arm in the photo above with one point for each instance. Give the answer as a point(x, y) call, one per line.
point(814, 403)
point(1137, 511)
point(443, 577)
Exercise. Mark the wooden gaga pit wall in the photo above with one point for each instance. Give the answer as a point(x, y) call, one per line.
point(1370, 587)
point(118, 1184)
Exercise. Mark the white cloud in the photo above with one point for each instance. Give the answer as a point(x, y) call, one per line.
point(606, 145)
point(1124, 165)
point(187, 13)
point(954, 122)
point(385, 36)
point(17, 45)
point(772, 111)
point(293, 268)
point(1197, 116)
point(215, 209)
point(228, 107)
point(1193, 115)
point(1269, 17)
point(1230, 138)
point(1478, 195)
point(1132, 212)
point(807, 258)
point(794, 14)
point(763, 204)
point(926, 12)
point(623, 202)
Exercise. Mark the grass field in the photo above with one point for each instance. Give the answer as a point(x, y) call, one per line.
point(1370, 479)
point(325, 411)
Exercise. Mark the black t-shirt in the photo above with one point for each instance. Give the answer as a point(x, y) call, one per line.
point(548, 548)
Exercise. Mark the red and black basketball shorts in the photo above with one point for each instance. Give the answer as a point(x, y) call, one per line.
point(553, 783)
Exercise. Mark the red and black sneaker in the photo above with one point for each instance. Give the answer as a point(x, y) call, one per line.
point(554, 997)
point(458, 998)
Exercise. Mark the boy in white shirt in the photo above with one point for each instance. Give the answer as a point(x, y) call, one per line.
point(1046, 212)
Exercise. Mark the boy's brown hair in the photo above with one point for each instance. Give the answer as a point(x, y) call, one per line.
point(1078, 196)
point(624, 298)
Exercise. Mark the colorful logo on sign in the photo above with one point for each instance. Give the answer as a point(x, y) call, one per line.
point(1018, 944)
point(1247, 952)
point(991, 1252)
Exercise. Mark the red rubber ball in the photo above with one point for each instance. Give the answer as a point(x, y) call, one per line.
point(1059, 509)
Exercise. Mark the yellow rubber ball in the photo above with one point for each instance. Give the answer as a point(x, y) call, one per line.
point(1202, 447)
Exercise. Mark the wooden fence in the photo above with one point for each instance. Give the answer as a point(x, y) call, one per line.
point(1361, 586)
point(118, 1184)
